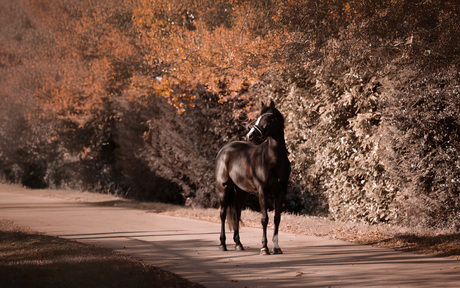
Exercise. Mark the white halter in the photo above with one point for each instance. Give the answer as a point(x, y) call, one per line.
point(256, 125)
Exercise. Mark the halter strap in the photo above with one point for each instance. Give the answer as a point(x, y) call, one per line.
point(256, 125)
point(258, 129)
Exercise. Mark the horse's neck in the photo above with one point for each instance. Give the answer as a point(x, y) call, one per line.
point(278, 144)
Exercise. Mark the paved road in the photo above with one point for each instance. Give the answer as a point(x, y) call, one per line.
point(190, 248)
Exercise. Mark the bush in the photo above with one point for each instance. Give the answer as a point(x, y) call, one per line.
point(136, 99)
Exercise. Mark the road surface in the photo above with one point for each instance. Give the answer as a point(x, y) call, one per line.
point(189, 248)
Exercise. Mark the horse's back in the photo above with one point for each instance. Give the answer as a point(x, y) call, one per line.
point(232, 149)
point(234, 146)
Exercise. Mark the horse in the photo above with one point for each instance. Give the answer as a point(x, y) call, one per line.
point(262, 169)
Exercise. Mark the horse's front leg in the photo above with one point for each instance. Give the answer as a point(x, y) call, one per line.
point(264, 221)
point(278, 210)
point(279, 202)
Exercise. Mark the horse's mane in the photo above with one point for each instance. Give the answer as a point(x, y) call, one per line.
point(274, 111)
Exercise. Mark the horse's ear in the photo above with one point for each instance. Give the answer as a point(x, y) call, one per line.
point(272, 104)
point(262, 105)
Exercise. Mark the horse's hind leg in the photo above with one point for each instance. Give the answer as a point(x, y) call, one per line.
point(236, 233)
point(224, 196)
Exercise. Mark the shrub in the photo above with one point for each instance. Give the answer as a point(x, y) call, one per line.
point(136, 99)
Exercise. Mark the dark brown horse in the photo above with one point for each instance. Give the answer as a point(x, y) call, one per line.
point(259, 169)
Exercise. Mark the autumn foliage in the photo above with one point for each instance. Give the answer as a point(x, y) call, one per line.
point(136, 97)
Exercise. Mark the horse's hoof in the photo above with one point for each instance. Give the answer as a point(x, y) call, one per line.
point(277, 251)
point(223, 248)
point(239, 247)
point(264, 251)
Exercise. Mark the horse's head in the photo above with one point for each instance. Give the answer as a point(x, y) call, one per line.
point(269, 124)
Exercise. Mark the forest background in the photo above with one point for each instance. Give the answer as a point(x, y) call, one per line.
point(135, 98)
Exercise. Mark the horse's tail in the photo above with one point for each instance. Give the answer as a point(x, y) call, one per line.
point(233, 211)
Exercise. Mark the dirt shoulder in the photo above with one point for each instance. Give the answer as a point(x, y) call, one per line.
point(30, 259)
